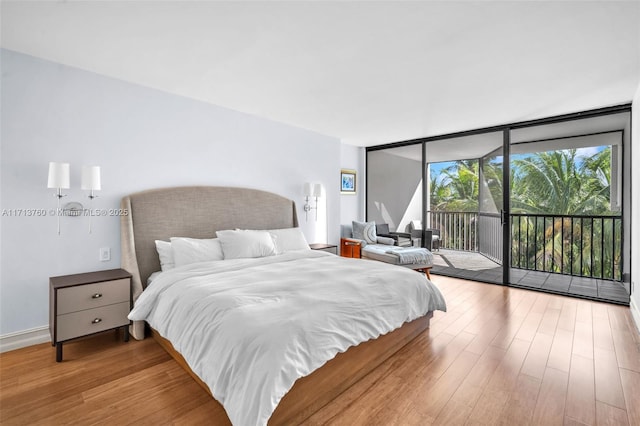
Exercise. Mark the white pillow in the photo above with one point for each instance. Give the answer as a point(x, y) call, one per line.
point(192, 250)
point(165, 253)
point(246, 243)
point(152, 277)
point(288, 239)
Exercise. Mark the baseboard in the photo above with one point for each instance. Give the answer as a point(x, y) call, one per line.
point(22, 339)
point(635, 313)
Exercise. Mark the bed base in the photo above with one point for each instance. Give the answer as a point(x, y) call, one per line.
point(314, 391)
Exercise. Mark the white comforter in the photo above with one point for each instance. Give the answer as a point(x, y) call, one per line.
point(249, 328)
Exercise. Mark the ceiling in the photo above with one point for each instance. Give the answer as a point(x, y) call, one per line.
point(365, 72)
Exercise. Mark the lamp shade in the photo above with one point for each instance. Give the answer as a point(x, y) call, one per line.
point(58, 175)
point(317, 190)
point(91, 178)
point(308, 189)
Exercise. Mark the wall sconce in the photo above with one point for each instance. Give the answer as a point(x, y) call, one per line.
point(315, 191)
point(58, 179)
point(91, 182)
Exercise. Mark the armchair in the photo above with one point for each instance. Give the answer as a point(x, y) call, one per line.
point(401, 239)
point(431, 239)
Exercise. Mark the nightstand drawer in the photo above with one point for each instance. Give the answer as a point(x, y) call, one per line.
point(92, 321)
point(79, 298)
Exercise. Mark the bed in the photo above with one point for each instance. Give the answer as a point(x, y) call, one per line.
point(199, 212)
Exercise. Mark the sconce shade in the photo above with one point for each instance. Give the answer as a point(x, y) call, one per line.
point(58, 175)
point(312, 189)
point(91, 178)
point(308, 189)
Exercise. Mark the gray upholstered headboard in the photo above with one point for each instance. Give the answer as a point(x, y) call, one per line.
point(195, 212)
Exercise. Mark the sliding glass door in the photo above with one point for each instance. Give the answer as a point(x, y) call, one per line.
point(492, 215)
point(539, 204)
point(568, 209)
point(464, 201)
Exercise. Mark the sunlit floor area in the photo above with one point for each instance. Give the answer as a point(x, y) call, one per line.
point(473, 265)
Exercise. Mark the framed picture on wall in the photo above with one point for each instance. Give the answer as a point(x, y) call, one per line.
point(347, 181)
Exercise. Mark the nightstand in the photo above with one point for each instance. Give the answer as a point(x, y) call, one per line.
point(84, 304)
point(350, 247)
point(330, 248)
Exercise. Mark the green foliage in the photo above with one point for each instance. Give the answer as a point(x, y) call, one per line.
point(554, 182)
point(558, 182)
point(457, 189)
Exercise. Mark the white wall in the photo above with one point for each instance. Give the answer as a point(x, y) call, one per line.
point(395, 195)
point(142, 138)
point(352, 206)
point(635, 209)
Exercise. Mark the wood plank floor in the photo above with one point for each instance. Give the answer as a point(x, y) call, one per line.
point(499, 356)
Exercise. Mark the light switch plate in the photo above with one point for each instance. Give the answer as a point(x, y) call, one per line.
point(105, 254)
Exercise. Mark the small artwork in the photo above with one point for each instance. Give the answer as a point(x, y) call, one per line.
point(347, 181)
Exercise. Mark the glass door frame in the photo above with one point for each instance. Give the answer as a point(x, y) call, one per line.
point(503, 150)
point(505, 213)
point(506, 130)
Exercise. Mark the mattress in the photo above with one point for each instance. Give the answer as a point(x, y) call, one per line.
point(249, 328)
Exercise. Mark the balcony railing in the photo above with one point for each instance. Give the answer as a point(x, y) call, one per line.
point(579, 245)
point(586, 246)
point(458, 230)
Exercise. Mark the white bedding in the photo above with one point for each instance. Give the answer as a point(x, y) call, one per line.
point(249, 328)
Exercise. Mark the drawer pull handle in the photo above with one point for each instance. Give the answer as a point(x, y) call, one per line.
point(96, 321)
point(96, 296)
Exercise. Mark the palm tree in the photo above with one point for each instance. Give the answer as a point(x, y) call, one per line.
point(440, 193)
point(562, 183)
point(456, 190)
point(461, 178)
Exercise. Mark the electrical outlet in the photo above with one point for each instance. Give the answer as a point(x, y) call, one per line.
point(105, 254)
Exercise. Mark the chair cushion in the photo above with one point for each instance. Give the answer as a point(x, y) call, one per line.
point(385, 240)
point(382, 228)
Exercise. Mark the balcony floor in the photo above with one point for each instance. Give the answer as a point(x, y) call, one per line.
point(472, 265)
